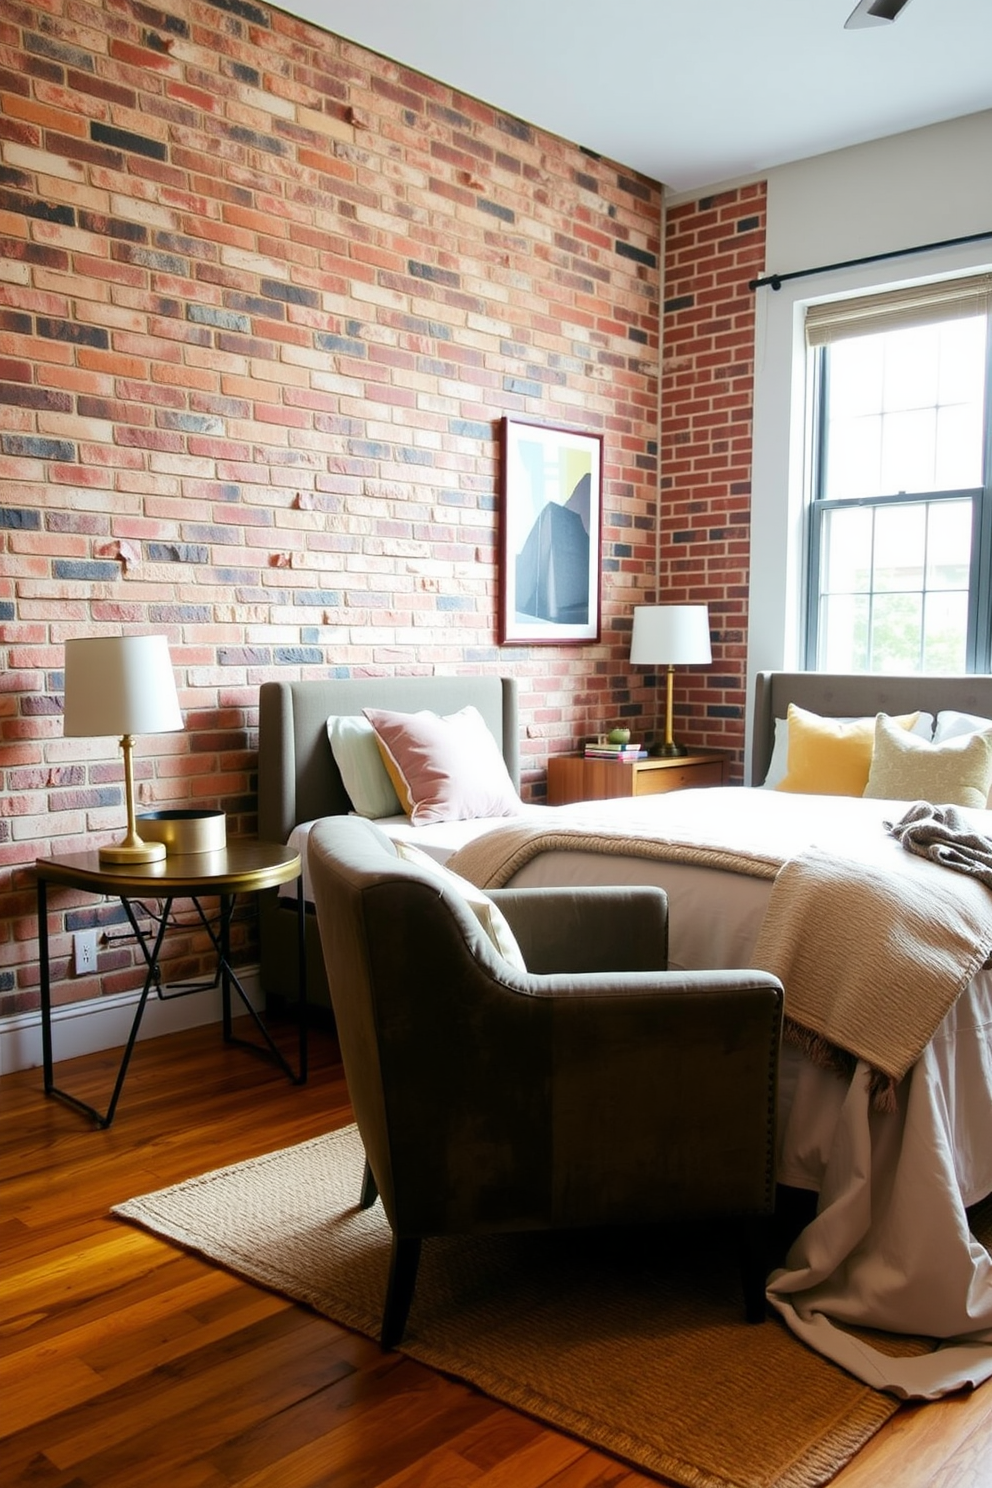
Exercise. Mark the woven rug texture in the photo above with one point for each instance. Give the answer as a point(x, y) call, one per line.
point(633, 1343)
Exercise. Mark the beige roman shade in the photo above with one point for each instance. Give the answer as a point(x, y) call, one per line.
point(921, 304)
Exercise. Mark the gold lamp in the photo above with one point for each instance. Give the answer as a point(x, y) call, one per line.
point(670, 636)
point(121, 685)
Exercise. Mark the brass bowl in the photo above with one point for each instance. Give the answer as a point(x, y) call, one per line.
point(184, 831)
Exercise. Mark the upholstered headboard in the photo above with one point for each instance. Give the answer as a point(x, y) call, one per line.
point(298, 779)
point(841, 695)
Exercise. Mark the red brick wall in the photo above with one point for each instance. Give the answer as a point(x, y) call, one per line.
point(713, 247)
point(263, 299)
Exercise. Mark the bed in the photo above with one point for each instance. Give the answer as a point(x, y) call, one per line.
point(890, 1247)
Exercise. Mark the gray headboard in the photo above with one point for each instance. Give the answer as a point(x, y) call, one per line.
point(297, 777)
point(841, 695)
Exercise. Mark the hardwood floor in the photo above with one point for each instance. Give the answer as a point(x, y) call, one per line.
point(126, 1362)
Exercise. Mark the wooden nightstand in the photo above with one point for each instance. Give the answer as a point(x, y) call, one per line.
point(571, 777)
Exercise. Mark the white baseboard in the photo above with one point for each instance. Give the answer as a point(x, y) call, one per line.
point(105, 1022)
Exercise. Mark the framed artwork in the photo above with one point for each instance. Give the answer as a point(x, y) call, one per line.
point(550, 540)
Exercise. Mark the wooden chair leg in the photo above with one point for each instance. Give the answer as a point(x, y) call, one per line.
point(370, 1189)
point(403, 1265)
point(754, 1266)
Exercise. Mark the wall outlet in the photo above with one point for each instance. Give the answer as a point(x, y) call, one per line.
point(84, 951)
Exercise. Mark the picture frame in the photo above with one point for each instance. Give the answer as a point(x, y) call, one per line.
point(551, 510)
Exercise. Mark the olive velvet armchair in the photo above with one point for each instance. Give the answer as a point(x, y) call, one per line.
point(594, 1088)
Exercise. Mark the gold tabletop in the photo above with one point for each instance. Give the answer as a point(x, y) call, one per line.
point(243, 866)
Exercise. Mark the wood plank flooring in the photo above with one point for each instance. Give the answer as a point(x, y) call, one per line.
point(125, 1362)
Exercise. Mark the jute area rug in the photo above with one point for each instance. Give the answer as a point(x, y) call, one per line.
point(635, 1345)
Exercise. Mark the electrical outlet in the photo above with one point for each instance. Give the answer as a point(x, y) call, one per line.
point(84, 951)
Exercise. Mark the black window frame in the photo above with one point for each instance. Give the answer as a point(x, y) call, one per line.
point(978, 640)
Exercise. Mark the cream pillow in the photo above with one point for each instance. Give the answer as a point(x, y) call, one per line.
point(831, 757)
point(491, 918)
point(363, 774)
point(904, 768)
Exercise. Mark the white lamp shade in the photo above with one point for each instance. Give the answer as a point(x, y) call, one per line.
point(670, 635)
point(119, 685)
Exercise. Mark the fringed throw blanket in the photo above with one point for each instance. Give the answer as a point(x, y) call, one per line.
point(872, 945)
point(872, 955)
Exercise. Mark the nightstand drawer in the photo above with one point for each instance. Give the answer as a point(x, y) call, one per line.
point(676, 777)
point(571, 777)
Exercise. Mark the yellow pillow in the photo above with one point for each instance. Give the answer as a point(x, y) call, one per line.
point(903, 768)
point(828, 756)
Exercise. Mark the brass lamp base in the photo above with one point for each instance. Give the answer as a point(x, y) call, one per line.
point(668, 750)
point(131, 850)
point(137, 855)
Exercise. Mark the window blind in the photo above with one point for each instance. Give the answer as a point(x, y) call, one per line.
point(923, 304)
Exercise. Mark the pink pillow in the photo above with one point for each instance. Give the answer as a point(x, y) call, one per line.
point(444, 768)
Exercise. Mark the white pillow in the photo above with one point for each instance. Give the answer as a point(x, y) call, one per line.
point(490, 917)
point(951, 725)
point(356, 754)
point(779, 762)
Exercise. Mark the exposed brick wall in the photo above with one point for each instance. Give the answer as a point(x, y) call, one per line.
point(263, 299)
point(713, 247)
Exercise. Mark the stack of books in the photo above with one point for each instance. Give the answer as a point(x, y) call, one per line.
point(623, 752)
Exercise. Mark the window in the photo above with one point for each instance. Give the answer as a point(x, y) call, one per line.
point(900, 568)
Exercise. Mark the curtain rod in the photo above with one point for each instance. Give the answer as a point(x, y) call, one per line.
point(777, 280)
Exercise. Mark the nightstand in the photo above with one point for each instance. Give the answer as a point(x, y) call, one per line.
point(244, 866)
point(571, 777)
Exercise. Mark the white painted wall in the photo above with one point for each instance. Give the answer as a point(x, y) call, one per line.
point(902, 192)
point(105, 1023)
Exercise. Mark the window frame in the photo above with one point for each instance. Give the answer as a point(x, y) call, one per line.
point(978, 638)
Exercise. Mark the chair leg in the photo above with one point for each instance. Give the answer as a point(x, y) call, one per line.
point(754, 1266)
point(403, 1265)
point(370, 1189)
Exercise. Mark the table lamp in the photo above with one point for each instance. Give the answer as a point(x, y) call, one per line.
point(670, 636)
point(121, 685)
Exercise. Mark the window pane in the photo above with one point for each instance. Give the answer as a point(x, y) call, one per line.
point(856, 371)
point(896, 633)
point(843, 632)
point(945, 633)
point(845, 551)
point(904, 411)
point(900, 547)
point(958, 463)
point(854, 459)
point(948, 545)
point(911, 368)
point(962, 359)
point(908, 450)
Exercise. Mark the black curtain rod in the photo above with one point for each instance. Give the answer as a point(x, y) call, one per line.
point(777, 280)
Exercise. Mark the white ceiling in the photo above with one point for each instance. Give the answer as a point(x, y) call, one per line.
point(690, 92)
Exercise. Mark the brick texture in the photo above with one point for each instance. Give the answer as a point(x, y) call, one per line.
point(713, 247)
point(264, 297)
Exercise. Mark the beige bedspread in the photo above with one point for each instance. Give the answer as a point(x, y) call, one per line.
point(871, 943)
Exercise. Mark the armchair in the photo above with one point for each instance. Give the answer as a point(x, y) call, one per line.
point(595, 1088)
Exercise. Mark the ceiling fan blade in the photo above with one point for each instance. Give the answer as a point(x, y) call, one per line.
point(874, 13)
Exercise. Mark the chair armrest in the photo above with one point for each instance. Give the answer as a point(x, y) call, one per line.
point(657, 986)
point(592, 929)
